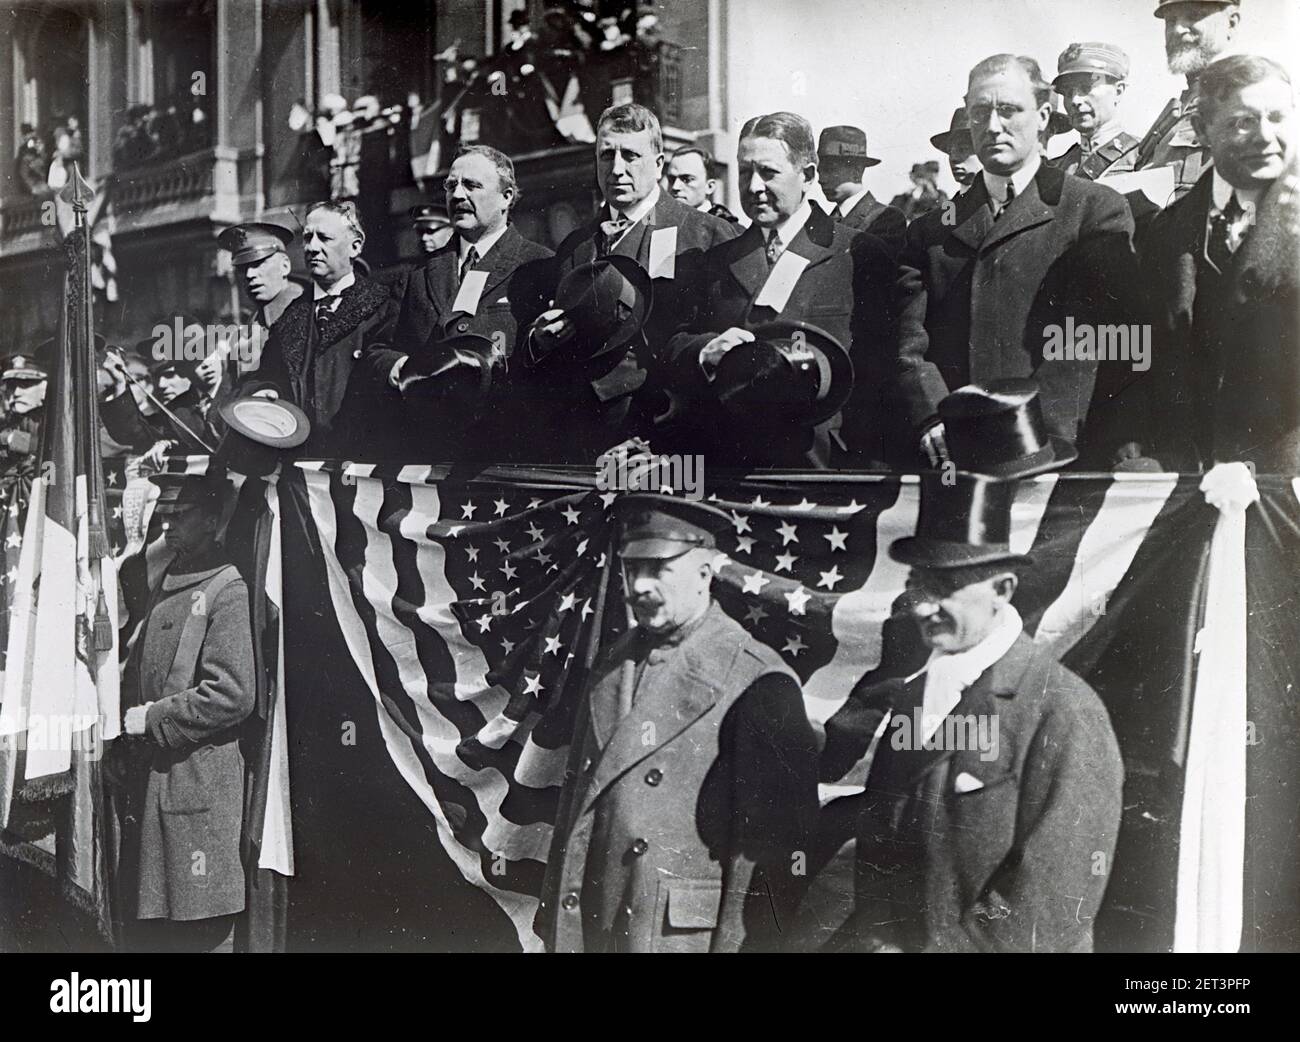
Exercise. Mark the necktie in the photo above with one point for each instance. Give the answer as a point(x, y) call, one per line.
point(325, 311)
point(1011, 194)
point(774, 248)
point(1224, 233)
point(471, 258)
point(611, 232)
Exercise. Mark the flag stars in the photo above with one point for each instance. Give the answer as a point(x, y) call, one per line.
point(535, 533)
point(582, 548)
point(533, 504)
point(606, 498)
point(543, 558)
point(789, 534)
point(508, 570)
point(836, 538)
point(111, 478)
point(745, 544)
point(552, 646)
point(455, 530)
point(570, 514)
point(829, 579)
point(794, 645)
point(533, 684)
point(14, 539)
point(754, 583)
point(759, 502)
point(477, 582)
point(853, 507)
point(756, 614)
point(471, 552)
point(484, 623)
point(567, 603)
point(502, 544)
point(587, 609)
point(117, 511)
point(785, 562)
point(508, 646)
point(797, 600)
point(805, 505)
point(500, 507)
point(467, 510)
point(740, 522)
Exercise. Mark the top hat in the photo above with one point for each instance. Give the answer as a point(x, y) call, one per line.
point(964, 520)
point(177, 492)
point(429, 213)
point(518, 19)
point(998, 429)
point(1103, 58)
point(660, 527)
point(844, 143)
point(258, 430)
point(1162, 5)
point(790, 371)
point(458, 367)
point(956, 139)
point(607, 301)
point(253, 242)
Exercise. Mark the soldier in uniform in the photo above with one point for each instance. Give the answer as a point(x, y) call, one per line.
point(1197, 32)
point(23, 382)
point(189, 685)
point(260, 253)
point(693, 780)
point(841, 159)
point(692, 177)
point(432, 228)
point(1091, 78)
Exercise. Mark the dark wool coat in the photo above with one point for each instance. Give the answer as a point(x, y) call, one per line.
point(679, 823)
point(962, 850)
point(186, 831)
point(887, 223)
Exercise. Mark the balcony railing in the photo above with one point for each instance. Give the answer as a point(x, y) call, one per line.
point(203, 185)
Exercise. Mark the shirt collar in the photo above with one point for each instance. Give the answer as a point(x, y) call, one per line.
point(966, 667)
point(484, 244)
point(1104, 136)
point(639, 210)
point(997, 183)
point(706, 206)
point(335, 290)
point(1222, 191)
point(852, 201)
point(789, 228)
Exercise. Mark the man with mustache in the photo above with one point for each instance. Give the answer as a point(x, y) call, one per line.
point(479, 283)
point(315, 354)
point(1091, 78)
point(1197, 32)
point(692, 786)
point(1023, 249)
point(617, 398)
point(1221, 265)
point(993, 798)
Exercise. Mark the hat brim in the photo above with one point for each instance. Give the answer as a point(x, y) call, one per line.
point(643, 289)
point(267, 421)
point(838, 360)
point(657, 549)
point(923, 552)
point(1057, 453)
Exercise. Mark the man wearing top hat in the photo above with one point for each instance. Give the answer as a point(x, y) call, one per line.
point(692, 781)
point(618, 398)
point(482, 282)
point(315, 356)
point(793, 264)
point(188, 687)
point(1197, 33)
point(1091, 78)
point(841, 159)
point(1025, 249)
point(993, 798)
point(956, 144)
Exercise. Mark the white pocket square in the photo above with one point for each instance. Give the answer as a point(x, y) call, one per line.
point(504, 300)
point(967, 783)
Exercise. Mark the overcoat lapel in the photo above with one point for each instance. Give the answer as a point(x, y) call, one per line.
point(440, 276)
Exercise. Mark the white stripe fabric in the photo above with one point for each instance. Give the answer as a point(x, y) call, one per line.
point(276, 849)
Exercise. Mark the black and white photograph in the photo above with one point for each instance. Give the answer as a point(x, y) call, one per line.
point(599, 476)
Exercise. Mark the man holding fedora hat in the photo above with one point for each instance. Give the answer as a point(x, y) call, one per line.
point(841, 159)
point(640, 221)
point(993, 799)
point(793, 264)
point(693, 765)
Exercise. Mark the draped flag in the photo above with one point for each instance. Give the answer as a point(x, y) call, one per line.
point(473, 611)
point(60, 700)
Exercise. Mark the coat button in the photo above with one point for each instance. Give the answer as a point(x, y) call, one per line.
point(462, 326)
point(588, 764)
point(654, 776)
point(356, 353)
point(639, 847)
point(570, 902)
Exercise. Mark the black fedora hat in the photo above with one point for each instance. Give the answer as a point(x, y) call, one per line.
point(258, 431)
point(460, 365)
point(965, 519)
point(957, 137)
point(998, 429)
point(608, 302)
point(844, 142)
point(791, 370)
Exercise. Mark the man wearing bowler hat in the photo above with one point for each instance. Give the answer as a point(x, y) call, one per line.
point(794, 263)
point(993, 798)
point(692, 785)
point(477, 284)
point(841, 159)
point(188, 686)
point(1091, 78)
point(956, 144)
point(636, 219)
